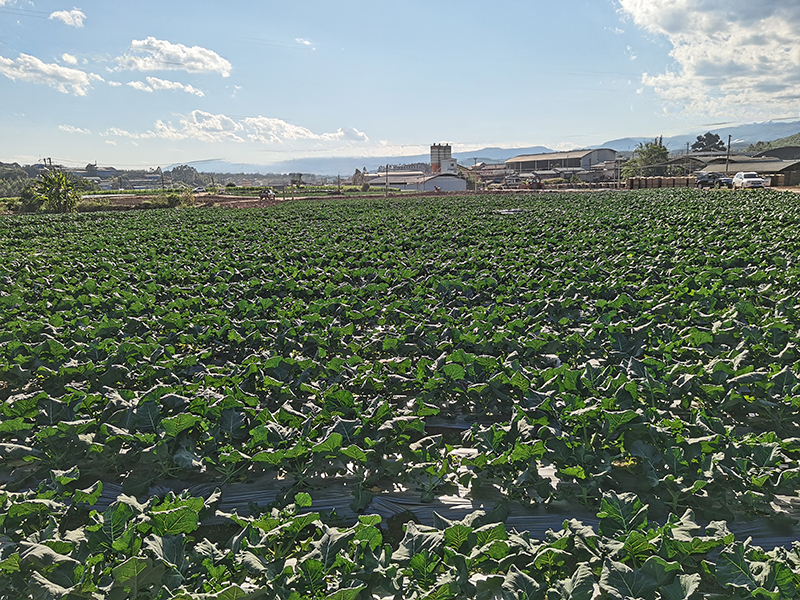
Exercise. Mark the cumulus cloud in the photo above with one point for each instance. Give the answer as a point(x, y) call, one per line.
point(73, 18)
point(152, 54)
point(269, 130)
point(163, 84)
point(737, 58)
point(139, 85)
point(208, 127)
point(68, 58)
point(32, 70)
point(154, 83)
point(73, 129)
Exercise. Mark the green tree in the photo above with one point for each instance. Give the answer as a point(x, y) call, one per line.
point(57, 191)
point(759, 147)
point(648, 160)
point(709, 142)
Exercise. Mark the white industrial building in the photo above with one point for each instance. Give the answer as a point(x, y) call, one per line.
point(586, 164)
point(416, 181)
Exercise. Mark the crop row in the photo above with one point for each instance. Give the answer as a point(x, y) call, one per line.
point(158, 549)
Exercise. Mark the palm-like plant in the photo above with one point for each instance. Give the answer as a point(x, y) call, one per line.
point(58, 191)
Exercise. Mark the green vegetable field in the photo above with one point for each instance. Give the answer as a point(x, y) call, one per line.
point(380, 399)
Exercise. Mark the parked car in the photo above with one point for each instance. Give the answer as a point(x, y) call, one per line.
point(713, 180)
point(198, 190)
point(747, 179)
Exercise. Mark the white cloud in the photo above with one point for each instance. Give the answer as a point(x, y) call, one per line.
point(68, 58)
point(163, 84)
point(114, 83)
point(73, 18)
point(139, 85)
point(159, 55)
point(32, 70)
point(154, 83)
point(269, 130)
point(302, 41)
point(208, 127)
point(72, 129)
point(738, 58)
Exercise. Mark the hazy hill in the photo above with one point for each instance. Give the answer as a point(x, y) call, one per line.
point(791, 140)
point(742, 136)
point(346, 166)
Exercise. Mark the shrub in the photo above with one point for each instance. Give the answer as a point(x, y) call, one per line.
point(155, 203)
point(93, 205)
point(28, 202)
point(365, 187)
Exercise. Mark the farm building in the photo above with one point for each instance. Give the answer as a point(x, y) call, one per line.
point(562, 164)
point(772, 168)
point(419, 182)
point(785, 153)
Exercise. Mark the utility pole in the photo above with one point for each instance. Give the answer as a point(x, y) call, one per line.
point(686, 162)
point(728, 159)
point(386, 193)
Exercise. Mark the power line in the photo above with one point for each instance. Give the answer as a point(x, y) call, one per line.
point(35, 14)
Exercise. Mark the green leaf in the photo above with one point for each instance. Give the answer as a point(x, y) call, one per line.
point(454, 371)
point(147, 417)
point(89, 495)
point(622, 582)
point(491, 533)
point(134, 576)
point(302, 500)
point(417, 539)
point(173, 522)
point(518, 585)
point(733, 569)
point(66, 477)
point(458, 535)
point(312, 573)
point(370, 535)
point(329, 545)
point(174, 425)
point(232, 592)
point(355, 453)
point(330, 445)
point(169, 548)
point(11, 564)
point(616, 419)
point(621, 513)
point(682, 588)
point(660, 570)
point(352, 593)
point(578, 587)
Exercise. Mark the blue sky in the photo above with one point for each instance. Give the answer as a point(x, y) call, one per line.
point(145, 83)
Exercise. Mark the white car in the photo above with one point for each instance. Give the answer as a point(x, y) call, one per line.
point(747, 179)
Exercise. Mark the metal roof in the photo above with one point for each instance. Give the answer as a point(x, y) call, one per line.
point(759, 166)
point(552, 156)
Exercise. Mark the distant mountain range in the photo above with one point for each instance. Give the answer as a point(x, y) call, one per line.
point(741, 135)
point(346, 166)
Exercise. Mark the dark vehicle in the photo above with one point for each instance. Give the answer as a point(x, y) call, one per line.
point(713, 180)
